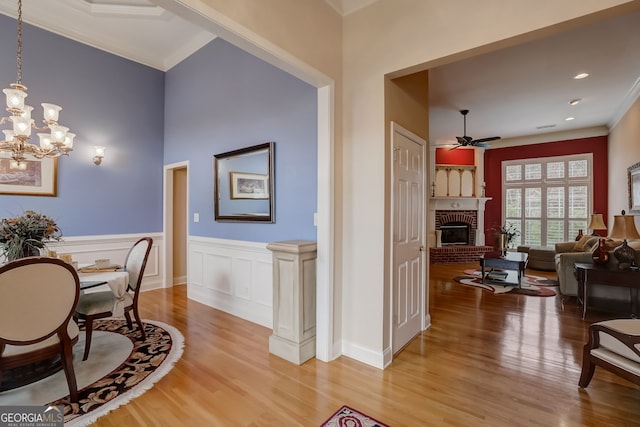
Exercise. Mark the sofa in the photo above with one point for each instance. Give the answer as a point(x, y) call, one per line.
point(568, 253)
point(540, 257)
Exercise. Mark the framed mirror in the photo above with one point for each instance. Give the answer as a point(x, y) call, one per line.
point(244, 184)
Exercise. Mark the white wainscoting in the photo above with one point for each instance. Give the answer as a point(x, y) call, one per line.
point(86, 249)
point(233, 276)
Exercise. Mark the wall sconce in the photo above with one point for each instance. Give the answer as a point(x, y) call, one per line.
point(97, 158)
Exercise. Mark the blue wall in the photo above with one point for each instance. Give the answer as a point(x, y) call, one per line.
point(221, 99)
point(217, 100)
point(108, 101)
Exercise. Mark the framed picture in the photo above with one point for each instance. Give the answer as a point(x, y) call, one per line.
point(29, 177)
point(634, 188)
point(249, 185)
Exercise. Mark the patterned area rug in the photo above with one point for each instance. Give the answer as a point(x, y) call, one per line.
point(531, 285)
point(126, 369)
point(349, 417)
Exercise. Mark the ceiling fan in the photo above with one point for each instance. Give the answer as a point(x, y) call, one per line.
point(467, 141)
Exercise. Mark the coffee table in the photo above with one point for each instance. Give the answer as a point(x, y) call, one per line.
point(516, 261)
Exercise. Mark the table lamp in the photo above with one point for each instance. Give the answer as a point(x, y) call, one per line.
point(624, 227)
point(597, 223)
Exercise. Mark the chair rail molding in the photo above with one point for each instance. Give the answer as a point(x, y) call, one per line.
point(86, 249)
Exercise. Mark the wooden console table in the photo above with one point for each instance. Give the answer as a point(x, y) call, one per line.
point(609, 275)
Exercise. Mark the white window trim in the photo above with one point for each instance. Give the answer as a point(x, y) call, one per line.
point(544, 183)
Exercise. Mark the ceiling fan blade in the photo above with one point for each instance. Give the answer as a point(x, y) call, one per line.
point(492, 138)
point(464, 140)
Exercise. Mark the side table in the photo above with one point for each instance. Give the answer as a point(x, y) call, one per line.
point(609, 275)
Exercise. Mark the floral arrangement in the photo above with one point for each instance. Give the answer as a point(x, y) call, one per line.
point(510, 231)
point(26, 234)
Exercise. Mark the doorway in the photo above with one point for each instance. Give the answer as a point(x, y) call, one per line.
point(176, 223)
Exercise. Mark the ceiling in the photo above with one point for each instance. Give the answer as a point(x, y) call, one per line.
point(134, 29)
point(514, 92)
point(525, 90)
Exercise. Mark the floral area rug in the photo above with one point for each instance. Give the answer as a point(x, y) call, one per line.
point(349, 417)
point(118, 369)
point(531, 285)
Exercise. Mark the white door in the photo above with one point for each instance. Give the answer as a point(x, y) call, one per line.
point(408, 254)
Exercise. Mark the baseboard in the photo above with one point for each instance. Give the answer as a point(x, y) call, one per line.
point(180, 280)
point(363, 354)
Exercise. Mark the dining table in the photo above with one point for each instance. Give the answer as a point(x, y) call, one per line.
point(97, 280)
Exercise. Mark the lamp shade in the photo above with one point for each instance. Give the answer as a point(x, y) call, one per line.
point(624, 227)
point(597, 222)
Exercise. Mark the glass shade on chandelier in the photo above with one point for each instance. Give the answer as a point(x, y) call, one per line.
point(624, 227)
point(56, 142)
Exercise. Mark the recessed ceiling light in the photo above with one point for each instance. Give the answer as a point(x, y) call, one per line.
point(575, 101)
point(570, 118)
point(581, 76)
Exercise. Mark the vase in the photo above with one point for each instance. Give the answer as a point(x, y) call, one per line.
point(579, 236)
point(502, 242)
point(600, 254)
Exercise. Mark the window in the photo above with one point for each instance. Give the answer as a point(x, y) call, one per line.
point(547, 199)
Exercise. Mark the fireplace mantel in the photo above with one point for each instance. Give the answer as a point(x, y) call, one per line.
point(458, 203)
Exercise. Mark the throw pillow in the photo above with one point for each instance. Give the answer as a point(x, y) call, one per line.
point(612, 244)
point(579, 246)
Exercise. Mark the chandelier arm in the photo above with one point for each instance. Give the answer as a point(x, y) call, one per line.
point(33, 126)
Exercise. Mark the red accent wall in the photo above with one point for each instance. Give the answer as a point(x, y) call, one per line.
point(459, 156)
point(493, 172)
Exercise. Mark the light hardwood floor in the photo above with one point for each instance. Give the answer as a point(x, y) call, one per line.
point(487, 360)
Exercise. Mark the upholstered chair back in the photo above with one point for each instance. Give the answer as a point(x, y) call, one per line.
point(137, 260)
point(38, 296)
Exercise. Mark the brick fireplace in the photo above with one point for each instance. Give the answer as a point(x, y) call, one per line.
point(448, 212)
point(446, 218)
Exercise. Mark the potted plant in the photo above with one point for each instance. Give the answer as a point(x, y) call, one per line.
point(505, 236)
point(26, 234)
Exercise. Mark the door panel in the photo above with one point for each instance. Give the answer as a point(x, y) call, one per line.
point(408, 240)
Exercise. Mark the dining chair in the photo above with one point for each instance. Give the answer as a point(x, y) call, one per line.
point(615, 346)
point(99, 305)
point(39, 297)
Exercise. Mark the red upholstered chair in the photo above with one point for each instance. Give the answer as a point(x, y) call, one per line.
point(99, 305)
point(613, 345)
point(38, 298)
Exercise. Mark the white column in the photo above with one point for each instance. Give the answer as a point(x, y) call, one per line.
point(294, 300)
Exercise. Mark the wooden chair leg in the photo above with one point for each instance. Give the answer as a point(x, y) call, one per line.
point(69, 372)
point(139, 322)
point(128, 317)
point(89, 329)
point(588, 368)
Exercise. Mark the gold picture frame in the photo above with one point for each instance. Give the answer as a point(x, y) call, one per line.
point(634, 188)
point(29, 177)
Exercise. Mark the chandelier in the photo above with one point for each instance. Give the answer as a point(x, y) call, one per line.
point(55, 140)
